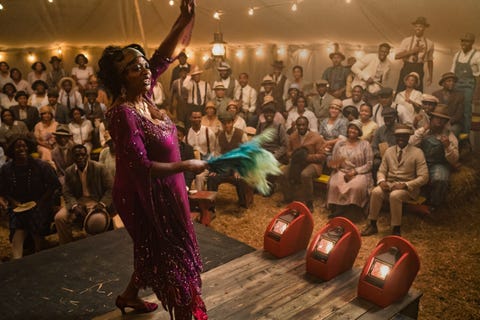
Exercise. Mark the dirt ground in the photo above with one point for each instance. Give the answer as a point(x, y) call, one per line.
point(449, 247)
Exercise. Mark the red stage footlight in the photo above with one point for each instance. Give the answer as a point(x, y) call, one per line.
point(334, 249)
point(289, 231)
point(389, 271)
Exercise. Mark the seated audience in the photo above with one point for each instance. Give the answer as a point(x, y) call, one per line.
point(228, 139)
point(238, 121)
point(39, 72)
point(278, 145)
point(401, 175)
point(299, 109)
point(62, 113)
point(57, 72)
point(102, 97)
point(23, 112)
point(107, 156)
point(383, 138)
point(81, 72)
point(210, 119)
point(69, 95)
point(62, 153)
point(306, 151)
point(203, 142)
point(351, 178)
point(336, 75)
point(368, 125)
point(440, 147)
point(39, 96)
point(19, 83)
point(247, 99)
point(268, 86)
point(333, 128)
point(320, 102)
point(385, 99)
point(28, 186)
point(94, 110)
point(220, 99)
point(44, 133)
point(88, 186)
point(422, 117)
point(10, 127)
point(4, 73)
point(277, 118)
point(186, 152)
point(350, 113)
point(411, 98)
point(454, 99)
point(7, 98)
point(289, 103)
point(356, 99)
point(81, 128)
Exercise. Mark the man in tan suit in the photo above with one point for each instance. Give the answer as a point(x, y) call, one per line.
point(402, 172)
point(306, 167)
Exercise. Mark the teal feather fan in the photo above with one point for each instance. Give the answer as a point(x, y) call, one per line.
point(251, 161)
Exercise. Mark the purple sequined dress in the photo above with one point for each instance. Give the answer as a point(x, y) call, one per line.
point(155, 211)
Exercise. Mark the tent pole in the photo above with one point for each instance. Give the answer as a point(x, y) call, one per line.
point(140, 25)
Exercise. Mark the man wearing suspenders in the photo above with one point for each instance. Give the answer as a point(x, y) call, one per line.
point(466, 66)
point(415, 51)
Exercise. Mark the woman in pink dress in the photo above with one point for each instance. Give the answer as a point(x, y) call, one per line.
point(149, 190)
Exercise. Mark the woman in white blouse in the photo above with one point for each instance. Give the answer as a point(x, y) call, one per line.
point(81, 128)
point(81, 72)
point(39, 72)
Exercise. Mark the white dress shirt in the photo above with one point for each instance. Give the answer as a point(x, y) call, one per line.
point(249, 98)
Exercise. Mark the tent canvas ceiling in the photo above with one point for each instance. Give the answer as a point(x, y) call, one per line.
point(38, 23)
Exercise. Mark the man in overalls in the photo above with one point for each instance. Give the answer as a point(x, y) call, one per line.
point(466, 66)
point(415, 51)
point(440, 147)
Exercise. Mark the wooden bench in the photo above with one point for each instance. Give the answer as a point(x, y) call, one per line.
point(205, 200)
point(258, 286)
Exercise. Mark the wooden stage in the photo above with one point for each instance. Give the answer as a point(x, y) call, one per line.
point(258, 286)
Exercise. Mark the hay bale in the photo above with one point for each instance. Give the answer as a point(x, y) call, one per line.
point(465, 183)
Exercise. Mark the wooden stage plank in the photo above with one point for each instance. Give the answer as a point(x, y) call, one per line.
point(261, 287)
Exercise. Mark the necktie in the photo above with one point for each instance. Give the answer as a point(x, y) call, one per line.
point(241, 94)
point(68, 101)
point(199, 96)
point(415, 56)
point(399, 157)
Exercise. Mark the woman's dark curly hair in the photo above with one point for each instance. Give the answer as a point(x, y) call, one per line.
point(108, 73)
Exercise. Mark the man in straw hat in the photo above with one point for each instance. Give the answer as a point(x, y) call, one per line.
point(62, 153)
point(454, 99)
point(440, 147)
point(415, 51)
point(466, 66)
point(230, 84)
point(88, 186)
point(220, 99)
point(199, 91)
point(385, 99)
point(268, 86)
point(422, 117)
point(401, 175)
point(336, 75)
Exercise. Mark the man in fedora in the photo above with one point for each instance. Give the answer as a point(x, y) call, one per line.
point(401, 175)
point(62, 153)
point(61, 112)
point(88, 186)
point(440, 147)
point(57, 72)
point(336, 75)
point(182, 65)
point(279, 90)
point(454, 99)
point(320, 103)
point(246, 96)
point(267, 90)
point(199, 91)
point(466, 66)
point(372, 70)
point(230, 84)
point(415, 51)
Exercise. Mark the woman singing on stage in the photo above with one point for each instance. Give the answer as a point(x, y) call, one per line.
point(149, 189)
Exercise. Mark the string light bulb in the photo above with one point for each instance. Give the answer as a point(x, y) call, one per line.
point(239, 54)
point(294, 6)
point(31, 57)
point(348, 1)
point(171, 3)
point(50, 1)
point(251, 11)
point(303, 53)
point(216, 15)
point(205, 57)
point(1, 6)
point(59, 51)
